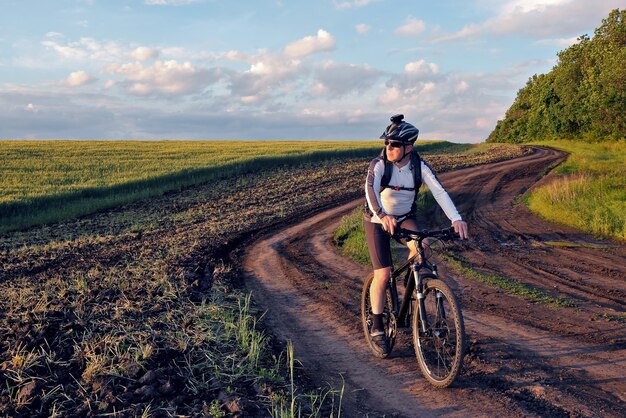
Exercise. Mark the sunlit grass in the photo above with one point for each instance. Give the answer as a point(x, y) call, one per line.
point(32, 169)
point(47, 181)
point(589, 191)
point(510, 286)
point(350, 237)
point(566, 244)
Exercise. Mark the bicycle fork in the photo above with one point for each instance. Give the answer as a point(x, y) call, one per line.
point(418, 284)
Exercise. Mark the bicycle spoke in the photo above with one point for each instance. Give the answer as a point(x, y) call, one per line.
point(439, 350)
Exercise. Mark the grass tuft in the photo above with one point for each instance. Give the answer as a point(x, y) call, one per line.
point(350, 237)
point(510, 286)
point(567, 244)
point(589, 190)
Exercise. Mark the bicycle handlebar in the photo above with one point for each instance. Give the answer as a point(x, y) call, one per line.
point(447, 234)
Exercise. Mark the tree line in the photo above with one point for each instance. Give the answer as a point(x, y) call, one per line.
point(583, 97)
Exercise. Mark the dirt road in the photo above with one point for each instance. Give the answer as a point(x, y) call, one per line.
point(524, 358)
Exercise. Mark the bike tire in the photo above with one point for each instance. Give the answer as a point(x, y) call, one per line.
point(389, 318)
point(441, 348)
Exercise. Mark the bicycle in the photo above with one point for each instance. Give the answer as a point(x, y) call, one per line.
point(436, 320)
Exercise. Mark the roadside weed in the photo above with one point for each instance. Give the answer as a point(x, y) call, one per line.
point(510, 286)
point(294, 404)
point(588, 191)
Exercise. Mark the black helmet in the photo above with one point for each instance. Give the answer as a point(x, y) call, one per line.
point(399, 130)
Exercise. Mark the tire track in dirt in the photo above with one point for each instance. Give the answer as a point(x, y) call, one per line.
point(506, 238)
point(544, 353)
point(524, 359)
point(606, 367)
point(331, 348)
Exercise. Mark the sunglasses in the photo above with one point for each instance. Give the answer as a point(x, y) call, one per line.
point(394, 144)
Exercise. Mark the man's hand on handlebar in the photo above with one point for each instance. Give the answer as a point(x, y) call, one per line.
point(460, 227)
point(389, 224)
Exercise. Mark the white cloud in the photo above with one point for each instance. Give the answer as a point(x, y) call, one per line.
point(422, 92)
point(444, 105)
point(539, 19)
point(433, 106)
point(560, 42)
point(268, 76)
point(54, 35)
point(273, 77)
point(391, 96)
point(308, 45)
point(79, 78)
point(169, 2)
point(335, 79)
point(349, 4)
point(266, 63)
point(411, 27)
point(84, 49)
point(144, 53)
point(525, 6)
point(271, 86)
point(250, 99)
point(362, 28)
point(468, 31)
point(461, 87)
point(421, 68)
point(92, 50)
point(416, 77)
point(164, 77)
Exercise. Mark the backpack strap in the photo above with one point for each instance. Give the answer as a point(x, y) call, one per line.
point(416, 161)
point(388, 170)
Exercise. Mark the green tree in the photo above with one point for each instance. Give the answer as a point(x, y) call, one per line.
point(582, 97)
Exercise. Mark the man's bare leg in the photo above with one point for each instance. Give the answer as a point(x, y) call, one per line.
point(377, 289)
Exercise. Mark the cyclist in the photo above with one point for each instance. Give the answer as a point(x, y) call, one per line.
point(391, 188)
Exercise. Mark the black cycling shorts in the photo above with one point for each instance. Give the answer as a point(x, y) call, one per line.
point(379, 241)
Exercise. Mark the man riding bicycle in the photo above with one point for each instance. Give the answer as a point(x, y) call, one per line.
point(391, 188)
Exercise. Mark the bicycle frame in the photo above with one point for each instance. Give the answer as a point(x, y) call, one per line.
point(402, 311)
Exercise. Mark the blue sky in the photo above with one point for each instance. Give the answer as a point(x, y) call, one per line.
point(269, 69)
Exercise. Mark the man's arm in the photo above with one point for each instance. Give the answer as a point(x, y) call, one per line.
point(372, 186)
point(443, 199)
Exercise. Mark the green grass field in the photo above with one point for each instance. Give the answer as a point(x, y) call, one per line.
point(32, 169)
point(46, 181)
point(589, 190)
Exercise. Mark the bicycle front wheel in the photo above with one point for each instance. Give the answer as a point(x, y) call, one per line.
point(440, 347)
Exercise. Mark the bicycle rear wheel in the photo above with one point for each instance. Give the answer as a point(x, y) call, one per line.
point(388, 318)
point(440, 348)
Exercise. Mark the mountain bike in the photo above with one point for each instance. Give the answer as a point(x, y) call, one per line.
point(428, 306)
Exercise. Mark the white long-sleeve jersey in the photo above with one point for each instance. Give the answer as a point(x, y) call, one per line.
point(400, 202)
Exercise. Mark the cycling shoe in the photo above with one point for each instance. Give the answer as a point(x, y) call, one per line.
point(381, 344)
